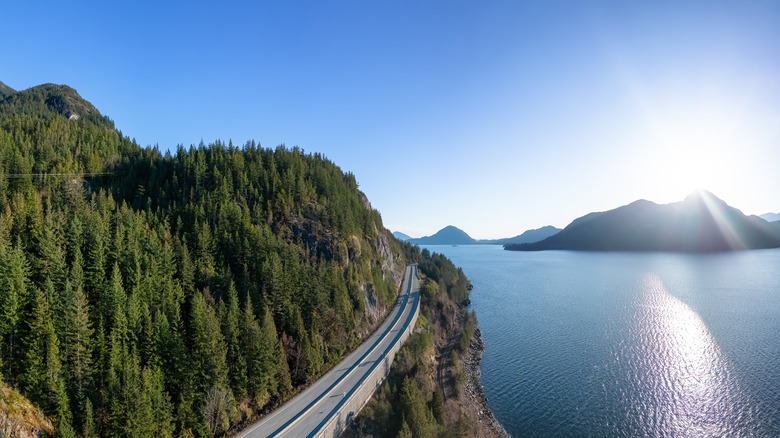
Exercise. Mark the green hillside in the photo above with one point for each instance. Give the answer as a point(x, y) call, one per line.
point(150, 294)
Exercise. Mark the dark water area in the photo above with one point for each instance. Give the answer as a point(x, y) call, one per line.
point(628, 344)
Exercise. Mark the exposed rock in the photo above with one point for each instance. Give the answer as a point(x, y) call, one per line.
point(390, 267)
point(66, 101)
point(365, 200)
point(19, 418)
point(488, 425)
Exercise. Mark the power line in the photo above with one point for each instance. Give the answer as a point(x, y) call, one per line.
point(18, 175)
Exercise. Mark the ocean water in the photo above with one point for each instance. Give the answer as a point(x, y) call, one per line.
point(628, 344)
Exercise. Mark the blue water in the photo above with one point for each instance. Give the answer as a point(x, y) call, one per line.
point(626, 344)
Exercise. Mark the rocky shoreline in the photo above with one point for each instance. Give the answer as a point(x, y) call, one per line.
point(487, 425)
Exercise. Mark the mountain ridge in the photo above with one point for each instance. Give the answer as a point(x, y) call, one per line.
point(212, 271)
point(49, 100)
point(452, 235)
point(401, 236)
point(449, 235)
point(528, 236)
point(700, 223)
point(770, 217)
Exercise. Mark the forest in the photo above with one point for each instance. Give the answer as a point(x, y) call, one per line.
point(182, 293)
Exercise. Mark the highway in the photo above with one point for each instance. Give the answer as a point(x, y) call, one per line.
point(330, 403)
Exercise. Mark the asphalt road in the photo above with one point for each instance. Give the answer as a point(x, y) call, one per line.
point(310, 410)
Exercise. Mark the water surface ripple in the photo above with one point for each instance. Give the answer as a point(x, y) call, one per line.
point(628, 345)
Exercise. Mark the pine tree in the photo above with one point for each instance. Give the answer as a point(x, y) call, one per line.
point(173, 354)
point(231, 330)
point(40, 374)
point(13, 292)
point(415, 409)
point(95, 266)
point(207, 347)
point(49, 241)
point(186, 270)
point(88, 430)
point(153, 386)
point(406, 431)
point(77, 343)
point(116, 386)
point(316, 353)
point(113, 305)
point(283, 379)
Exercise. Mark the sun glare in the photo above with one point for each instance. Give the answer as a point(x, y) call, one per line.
point(692, 149)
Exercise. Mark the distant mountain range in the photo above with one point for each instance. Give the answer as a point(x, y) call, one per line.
point(770, 217)
point(451, 235)
point(401, 236)
point(700, 223)
point(529, 236)
point(448, 235)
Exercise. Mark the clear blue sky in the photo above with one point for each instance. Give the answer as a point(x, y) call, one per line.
point(492, 116)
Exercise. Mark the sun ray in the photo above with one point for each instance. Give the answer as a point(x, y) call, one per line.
point(721, 216)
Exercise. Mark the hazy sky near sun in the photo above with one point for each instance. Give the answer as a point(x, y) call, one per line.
point(495, 116)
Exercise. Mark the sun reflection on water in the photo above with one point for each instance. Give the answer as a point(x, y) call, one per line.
point(682, 384)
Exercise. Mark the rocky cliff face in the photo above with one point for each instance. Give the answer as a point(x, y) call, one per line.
point(392, 268)
point(19, 418)
point(59, 99)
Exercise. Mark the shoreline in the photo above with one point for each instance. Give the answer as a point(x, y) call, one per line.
point(487, 424)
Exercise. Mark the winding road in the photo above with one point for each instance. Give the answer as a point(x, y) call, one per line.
point(328, 405)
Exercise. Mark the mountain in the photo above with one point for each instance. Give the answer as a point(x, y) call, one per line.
point(528, 236)
point(5, 90)
point(448, 235)
point(401, 236)
point(770, 217)
point(145, 293)
point(451, 235)
point(700, 223)
point(49, 100)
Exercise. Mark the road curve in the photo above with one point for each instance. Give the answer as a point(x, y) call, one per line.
point(321, 407)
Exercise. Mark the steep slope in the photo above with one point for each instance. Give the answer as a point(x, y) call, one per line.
point(700, 223)
point(19, 418)
point(49, 100)
point(428, 392)
point(448, 235)
point(147, 294)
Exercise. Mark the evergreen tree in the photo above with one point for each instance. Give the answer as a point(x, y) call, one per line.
point(133, 267)
point(259, 358)
point(13, 292)
point(113, 306)
point(283, 379)
point(77, 343)
point(41, 367)
point(49, 242)
point(207, 347)
point(406, 431)
point(231, 329)
point(415, 410)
